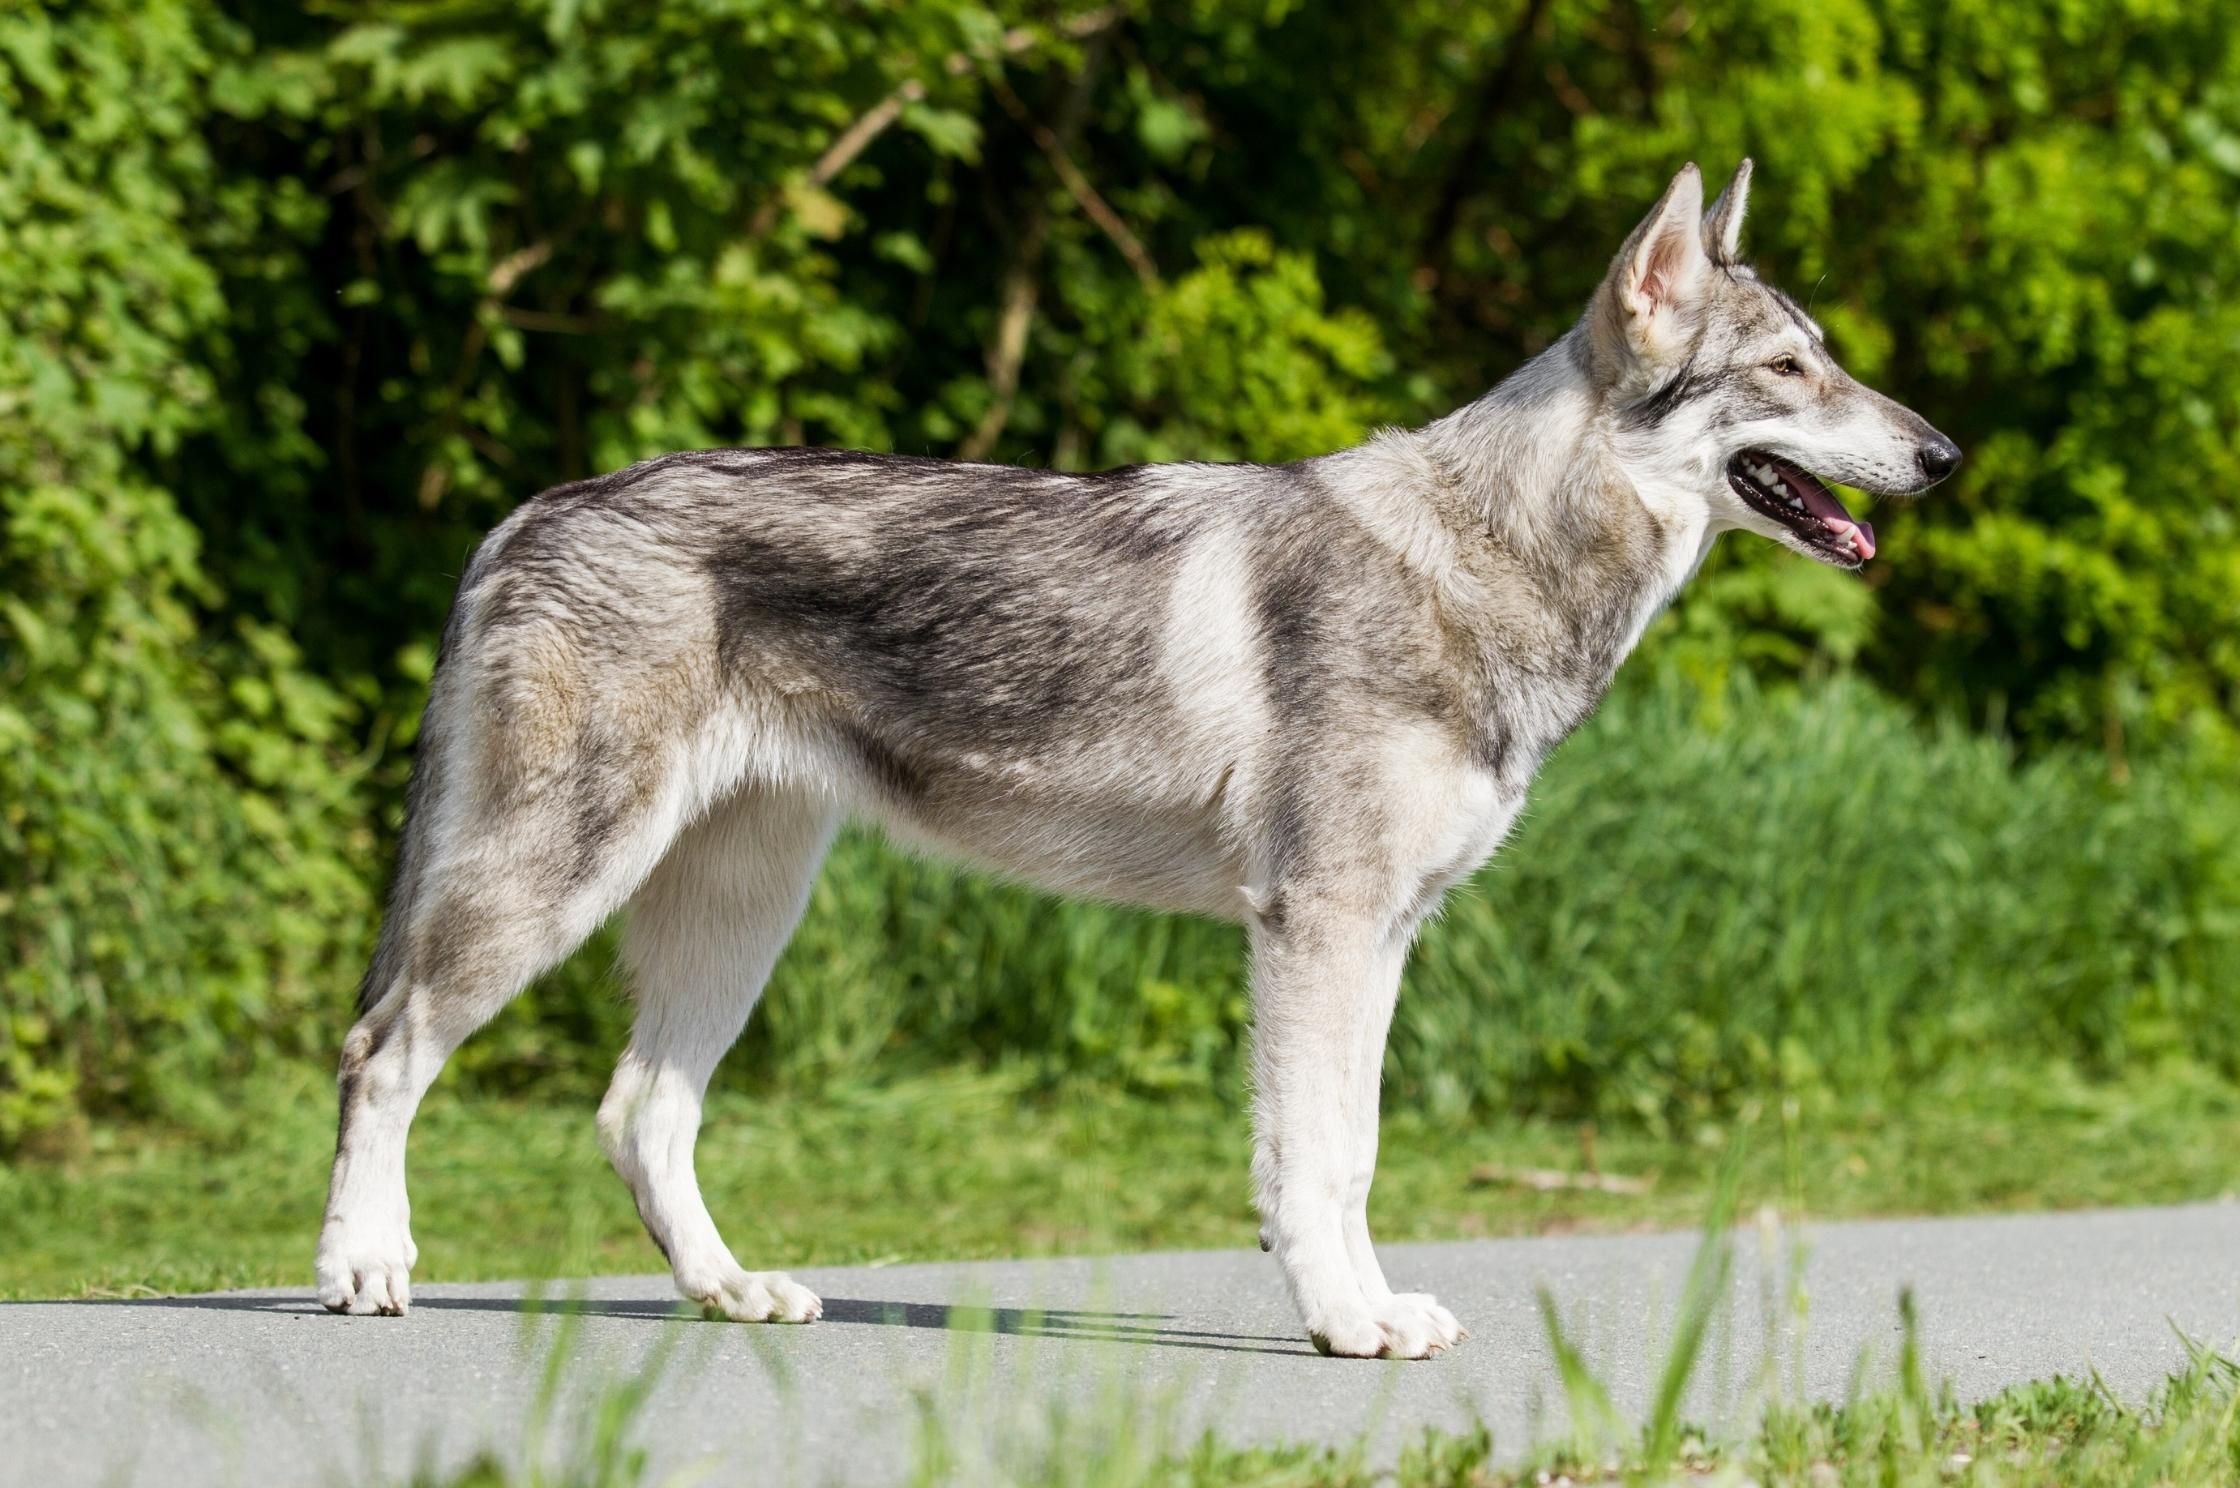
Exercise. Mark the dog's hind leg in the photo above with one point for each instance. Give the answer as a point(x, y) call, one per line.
point(500, 882)
point(703, 935)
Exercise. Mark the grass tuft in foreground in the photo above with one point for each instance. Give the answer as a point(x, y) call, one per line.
point(2065, 1432)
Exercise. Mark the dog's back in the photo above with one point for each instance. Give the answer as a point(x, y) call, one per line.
point(1080, 679)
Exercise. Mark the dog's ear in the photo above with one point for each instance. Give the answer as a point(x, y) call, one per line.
point(1651, 290)
point(1722, 224)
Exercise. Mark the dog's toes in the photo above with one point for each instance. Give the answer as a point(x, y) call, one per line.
point(336, 1296)
point(754, 1297)
point(1435, 1320)
point(365, 1276)
point(1410, 1326)
point(790, 1301)
point(1415, 1326)
point(1351, 1338)
point(381, 1291)
point(1405, 1326)
point(1408, 1338)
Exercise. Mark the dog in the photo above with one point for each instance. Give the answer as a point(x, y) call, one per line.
point(1306, 697)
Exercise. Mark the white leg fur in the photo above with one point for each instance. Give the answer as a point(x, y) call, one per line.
point(366, 1253)
point(1317, 999)
point(1411, 1315)
point(704, 933)
point(389, 1060)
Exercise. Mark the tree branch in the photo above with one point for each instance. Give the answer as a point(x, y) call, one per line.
point(841, 153)
point(1021, 286)
point(1084, 195)
point(857, 137)
point(510, 270)
point(1492, 96)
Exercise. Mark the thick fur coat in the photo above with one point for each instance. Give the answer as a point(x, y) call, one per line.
point(1306, 697)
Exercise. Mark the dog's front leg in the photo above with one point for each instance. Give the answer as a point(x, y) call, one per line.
point(1323, 980)
point(1412, 1313)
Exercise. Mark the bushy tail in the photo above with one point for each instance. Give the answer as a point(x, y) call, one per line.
point(429, 766)
point(396, 919)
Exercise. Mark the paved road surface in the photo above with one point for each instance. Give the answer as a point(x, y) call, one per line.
point(263, 1388)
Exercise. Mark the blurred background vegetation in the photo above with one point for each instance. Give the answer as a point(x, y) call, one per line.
point(297, 300)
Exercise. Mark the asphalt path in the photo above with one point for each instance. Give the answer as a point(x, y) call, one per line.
point(983, 1362)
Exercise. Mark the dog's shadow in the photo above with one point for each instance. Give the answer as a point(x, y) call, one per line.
point(1149, 1328)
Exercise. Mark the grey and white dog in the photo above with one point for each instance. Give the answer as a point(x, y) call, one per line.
point(1306, 697)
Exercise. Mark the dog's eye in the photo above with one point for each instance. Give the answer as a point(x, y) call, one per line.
point(1786, 366)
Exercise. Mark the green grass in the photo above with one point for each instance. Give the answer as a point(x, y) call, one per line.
point(1712, 898)
point(1908, 973)
point(2059, 1432)
point(976, 1165)
point(1709, 898)
point(1910, 1434)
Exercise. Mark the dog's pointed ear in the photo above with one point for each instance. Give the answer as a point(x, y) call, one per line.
point(1654, 281)
point(1722, 223)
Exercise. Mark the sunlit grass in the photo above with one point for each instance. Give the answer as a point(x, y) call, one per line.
point(1709, 901)
point(1104, 1434)
point(982, 1165)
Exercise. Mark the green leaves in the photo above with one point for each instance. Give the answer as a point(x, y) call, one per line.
point(1238, 359)
point(181, 849)
point(296, 303)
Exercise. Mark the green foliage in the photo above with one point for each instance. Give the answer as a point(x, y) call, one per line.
point(529, 241)
point(1238, 361)
point(298, 301)
point(1813, 894)
point(182, 854)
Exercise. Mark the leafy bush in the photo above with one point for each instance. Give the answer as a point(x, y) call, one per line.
point(294, 303)
point(183, 850)
point(522, 243)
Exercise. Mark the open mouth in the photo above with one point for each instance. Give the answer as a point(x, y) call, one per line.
point(1797, 500)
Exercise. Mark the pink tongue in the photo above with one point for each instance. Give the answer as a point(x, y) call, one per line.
point(1833, 517)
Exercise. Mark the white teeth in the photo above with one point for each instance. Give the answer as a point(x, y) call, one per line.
point(1769, 479)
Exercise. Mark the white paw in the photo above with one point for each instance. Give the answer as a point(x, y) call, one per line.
point(1418, 1316)
point(1412, 1326)
point(1350, 1336)
point(753, 1296)
point(366, 1268)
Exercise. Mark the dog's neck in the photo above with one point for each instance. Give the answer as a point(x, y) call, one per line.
point(1519, 507)
point(1536, 465)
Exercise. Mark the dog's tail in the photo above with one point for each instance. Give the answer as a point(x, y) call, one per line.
point(430, 770)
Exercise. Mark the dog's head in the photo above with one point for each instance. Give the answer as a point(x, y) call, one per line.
point(1720, 387)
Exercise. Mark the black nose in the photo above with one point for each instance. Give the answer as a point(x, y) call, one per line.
point(1939, 457)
